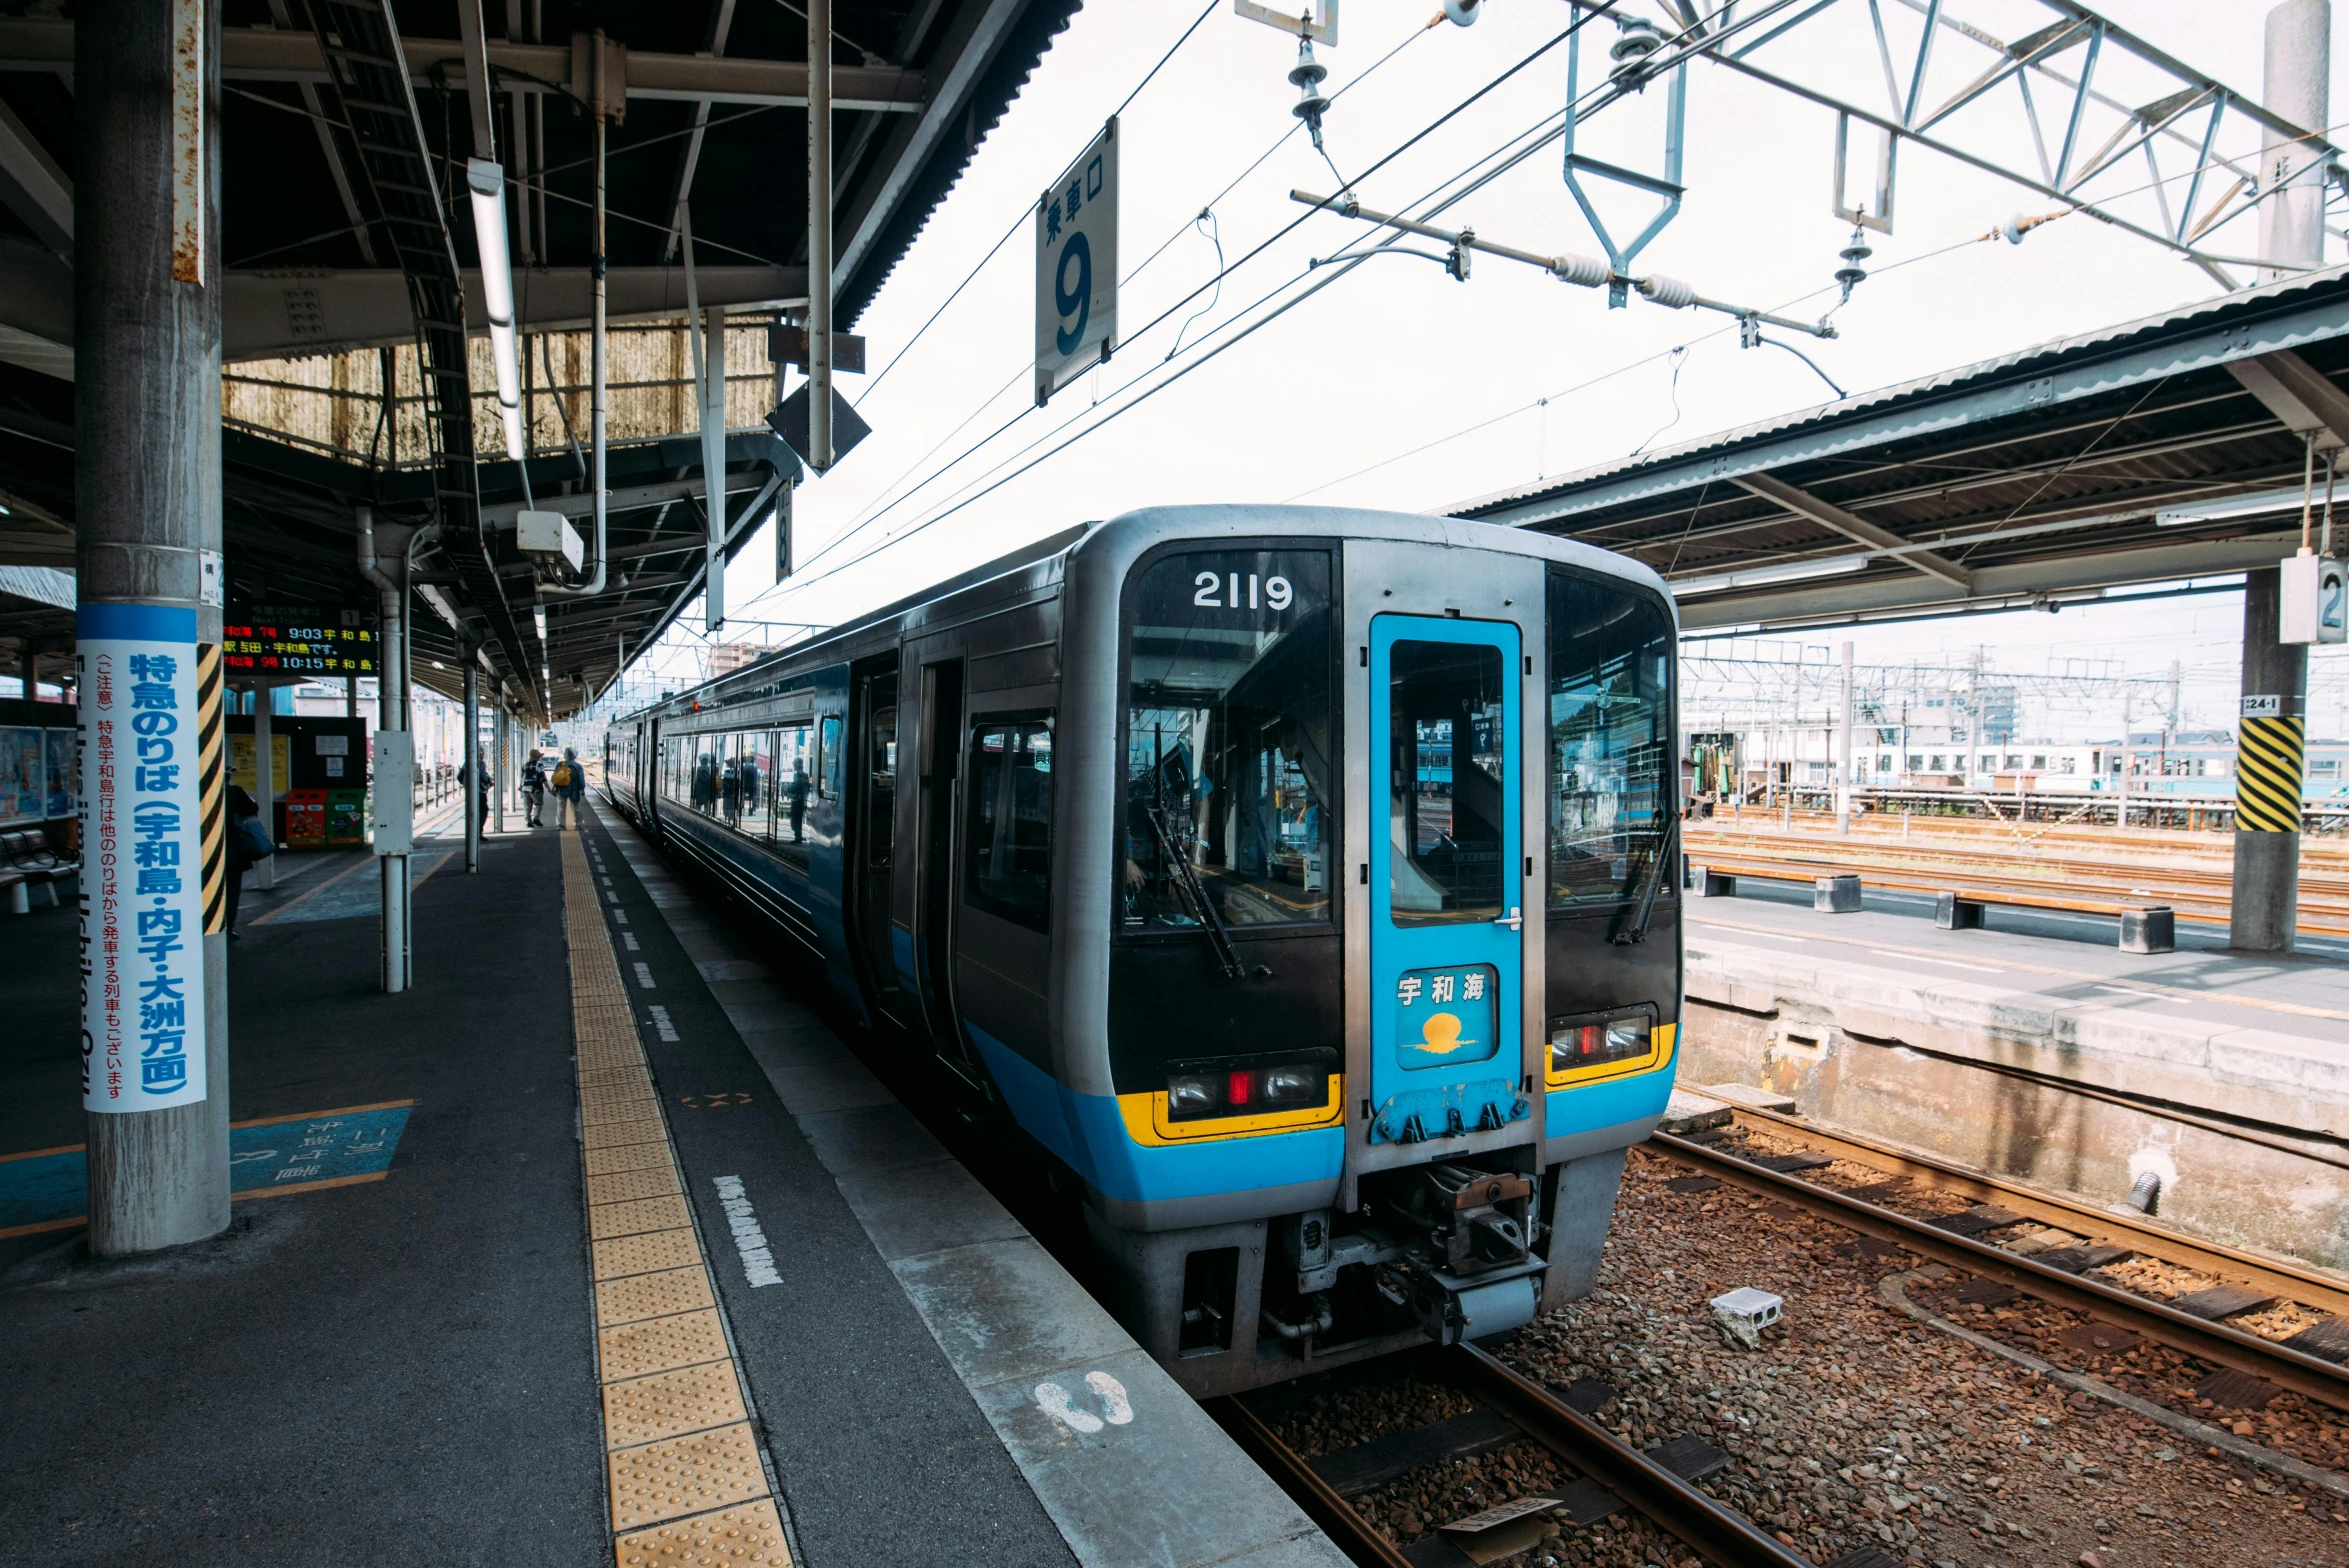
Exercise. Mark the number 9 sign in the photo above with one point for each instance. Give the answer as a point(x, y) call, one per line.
point(1076, 267)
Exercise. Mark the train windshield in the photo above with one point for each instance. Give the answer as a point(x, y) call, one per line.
point(1229, 774)
point(1610, 721)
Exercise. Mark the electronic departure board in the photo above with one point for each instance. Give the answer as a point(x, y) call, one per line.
point(313, 640)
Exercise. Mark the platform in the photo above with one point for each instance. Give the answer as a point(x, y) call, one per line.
point(595, 1246)
point(2036, 1050)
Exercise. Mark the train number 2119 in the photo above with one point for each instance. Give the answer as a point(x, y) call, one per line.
point(1212, 588)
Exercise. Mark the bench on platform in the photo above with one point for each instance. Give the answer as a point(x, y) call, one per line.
point(2144, 927)
point(30, 864)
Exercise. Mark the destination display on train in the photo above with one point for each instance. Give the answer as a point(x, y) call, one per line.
point(321, 640)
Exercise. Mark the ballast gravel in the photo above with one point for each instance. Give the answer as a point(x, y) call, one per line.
point(1853, 1426)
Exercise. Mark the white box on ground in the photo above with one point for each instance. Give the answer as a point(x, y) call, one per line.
point(391, 809)
point(546, 534)
point(2313, 604)
point(1744, 1312)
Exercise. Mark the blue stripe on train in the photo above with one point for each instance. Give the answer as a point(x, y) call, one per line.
point(1608, 1103)
point(1088, 1132)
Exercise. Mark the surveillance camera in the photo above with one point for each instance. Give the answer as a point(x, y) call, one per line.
point(1462, 13)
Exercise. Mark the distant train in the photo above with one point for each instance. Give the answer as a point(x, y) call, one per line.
point(1298, 880)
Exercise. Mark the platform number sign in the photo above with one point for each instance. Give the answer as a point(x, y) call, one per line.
point(1076, 267)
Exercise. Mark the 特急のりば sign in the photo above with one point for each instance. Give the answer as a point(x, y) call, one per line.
point(1076, 267)
point(142, 885)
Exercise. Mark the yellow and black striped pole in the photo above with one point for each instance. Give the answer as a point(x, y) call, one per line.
point(2268, 770)
point(212, 756)
point(2263, 910)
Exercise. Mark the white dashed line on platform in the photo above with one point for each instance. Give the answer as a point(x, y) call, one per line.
point(644, 977)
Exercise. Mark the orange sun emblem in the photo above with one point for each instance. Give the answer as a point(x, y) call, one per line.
point(1441, 1034)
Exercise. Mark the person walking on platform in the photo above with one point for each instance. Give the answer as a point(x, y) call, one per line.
point(570, 782)
point(483, 785)
point(247, 839)
point(533, 787)
point(795, 793)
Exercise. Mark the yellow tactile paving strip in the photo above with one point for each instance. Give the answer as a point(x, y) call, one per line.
point(687, 1483)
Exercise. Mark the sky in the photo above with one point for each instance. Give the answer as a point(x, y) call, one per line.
point(1348, 397)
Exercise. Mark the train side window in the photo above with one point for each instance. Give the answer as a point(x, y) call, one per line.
point(1610, 741)
point(794, 784)
point(881, 789)
point(1008, 840)
point(828, 758)
point(705, 774)
point(754, 770)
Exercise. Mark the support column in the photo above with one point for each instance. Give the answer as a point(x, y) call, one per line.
point(504, 771)
point(469, 797)
point(265, 782)
point(147, 490)
point(2296, 85)
point(819, 235)
point(1843, 760)
point(2264, 917)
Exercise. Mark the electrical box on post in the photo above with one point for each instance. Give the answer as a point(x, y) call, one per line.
point(2313, 600)
point(391, 812)
point(548, 536)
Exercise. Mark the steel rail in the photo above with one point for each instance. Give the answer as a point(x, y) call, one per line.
point(1724, 1537)
point(2304, 1285)
point(1691, 1516)
point(1353, 1534)
point(2214, 1342)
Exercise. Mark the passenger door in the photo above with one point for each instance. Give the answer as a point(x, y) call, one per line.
point(871, 773)
point(934, 901)
point(1446, 826)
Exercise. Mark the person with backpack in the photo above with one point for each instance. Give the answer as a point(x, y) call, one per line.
point(570, 785)
point(533, 787)
point(248, 841)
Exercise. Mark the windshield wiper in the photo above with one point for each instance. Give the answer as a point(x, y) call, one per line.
point(1665, 855)
point(1195, 894)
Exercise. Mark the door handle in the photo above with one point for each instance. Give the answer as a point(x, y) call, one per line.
point(1514, 919)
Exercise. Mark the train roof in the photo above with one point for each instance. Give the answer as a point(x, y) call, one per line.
point(1043, 560)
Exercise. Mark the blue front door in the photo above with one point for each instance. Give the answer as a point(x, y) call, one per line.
point(1446, 950)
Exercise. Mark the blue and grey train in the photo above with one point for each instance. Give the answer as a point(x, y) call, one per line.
point(1296, 880)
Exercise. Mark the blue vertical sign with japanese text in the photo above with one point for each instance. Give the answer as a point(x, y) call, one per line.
point(1076, 267)
point(142, 882)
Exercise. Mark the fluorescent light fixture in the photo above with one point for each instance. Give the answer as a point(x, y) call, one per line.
point(2227, 506)
point(487, 182)
point(1758, 576)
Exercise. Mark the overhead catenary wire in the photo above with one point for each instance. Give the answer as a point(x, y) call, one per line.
point(1216, 281)
point(1513, 153)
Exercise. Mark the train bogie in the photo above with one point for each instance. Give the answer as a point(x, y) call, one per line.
point(1297, 881)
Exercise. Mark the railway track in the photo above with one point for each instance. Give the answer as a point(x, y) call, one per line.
point(1610, 1475)
point(2306, 1366)
point(2195, 887)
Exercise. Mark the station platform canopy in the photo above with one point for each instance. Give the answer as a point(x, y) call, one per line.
point(2159, 451)
point(333, 382)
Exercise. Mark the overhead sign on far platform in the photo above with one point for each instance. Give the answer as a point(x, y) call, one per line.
point(298, 640)
point(1076, 267)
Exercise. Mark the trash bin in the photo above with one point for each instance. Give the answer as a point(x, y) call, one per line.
point(305, 819)
point(346, 817)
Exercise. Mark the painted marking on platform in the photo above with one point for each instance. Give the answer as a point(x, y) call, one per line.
point(1109, 1395)
point(683, 1470)
point(1947, 963)
point(44, 1189)
point(2142, 996)
point(628, 940)
point(750, 1243)
point(644, 977)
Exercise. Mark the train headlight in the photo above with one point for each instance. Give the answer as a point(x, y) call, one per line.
point(1598, 1041)
point(1290, 1087)
point(1189, 1097)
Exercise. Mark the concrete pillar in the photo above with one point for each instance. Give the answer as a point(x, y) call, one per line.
point(265, 781)
point(2295, 86)
point(1843, 760)
point(502, 772)
point(147, 490)
point(819, 235)
point(469, 793)
point(2271, 735)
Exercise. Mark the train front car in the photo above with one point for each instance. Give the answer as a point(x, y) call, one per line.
point(1366, 947)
